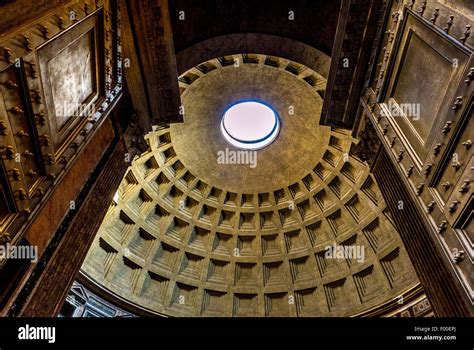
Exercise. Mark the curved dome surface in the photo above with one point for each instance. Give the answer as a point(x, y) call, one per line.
point(195, 232)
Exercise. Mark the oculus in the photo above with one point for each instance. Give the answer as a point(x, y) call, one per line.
point(250, 125)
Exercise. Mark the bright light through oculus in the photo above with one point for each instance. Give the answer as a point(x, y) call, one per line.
point(250, 125)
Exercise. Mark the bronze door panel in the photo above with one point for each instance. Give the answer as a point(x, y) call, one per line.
point(426, 71)
point(71, 76)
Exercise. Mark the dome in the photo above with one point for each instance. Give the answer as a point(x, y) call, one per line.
point(203, 226)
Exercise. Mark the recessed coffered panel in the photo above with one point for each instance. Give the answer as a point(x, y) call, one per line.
point(71, 83)
point(426, 69)
point(432, 84)
point(70, 72)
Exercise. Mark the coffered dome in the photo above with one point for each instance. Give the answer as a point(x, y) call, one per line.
point(199, 227)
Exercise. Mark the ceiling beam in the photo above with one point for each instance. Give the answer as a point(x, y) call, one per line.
point(356, 30)
point(152, 48)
